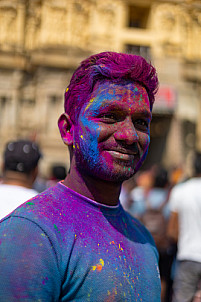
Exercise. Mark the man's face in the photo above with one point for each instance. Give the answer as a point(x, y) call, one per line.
point(111, 136)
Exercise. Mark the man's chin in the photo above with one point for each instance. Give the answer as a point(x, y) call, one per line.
point(119, 176)
point(106, 172)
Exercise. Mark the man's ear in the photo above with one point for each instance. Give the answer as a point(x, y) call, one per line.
point(66, 129)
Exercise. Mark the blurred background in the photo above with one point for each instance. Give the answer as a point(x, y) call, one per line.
point(43, 41)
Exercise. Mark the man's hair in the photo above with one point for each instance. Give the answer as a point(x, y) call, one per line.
point(108, 66)
point(197, 163)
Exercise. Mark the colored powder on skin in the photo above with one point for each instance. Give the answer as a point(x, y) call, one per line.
point(91, 148)
point(89, 104)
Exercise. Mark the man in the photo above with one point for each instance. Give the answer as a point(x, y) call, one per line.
point(185, 227)
point(20, 168)
point(75, 242)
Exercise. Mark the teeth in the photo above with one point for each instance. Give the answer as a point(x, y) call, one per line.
point(120, 155)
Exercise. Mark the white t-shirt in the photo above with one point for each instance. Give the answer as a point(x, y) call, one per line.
point(13, 196)
point(185, 199)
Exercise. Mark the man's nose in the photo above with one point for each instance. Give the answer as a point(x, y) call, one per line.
point(126, 132)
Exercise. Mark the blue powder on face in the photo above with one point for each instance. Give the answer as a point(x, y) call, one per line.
point(90, 147)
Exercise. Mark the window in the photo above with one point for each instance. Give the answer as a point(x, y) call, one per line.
point(4, 111)
point(138, 16)
point(26, 112)
point(54, 109)
point(141, 50)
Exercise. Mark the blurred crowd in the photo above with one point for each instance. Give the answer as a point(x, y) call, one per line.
point(151, 196)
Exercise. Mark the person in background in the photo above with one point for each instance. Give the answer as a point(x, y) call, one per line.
point(150, 205)
point(125, 196)
point(58, 173)
point(74, 242)
point(185, 229)
point(20, 168)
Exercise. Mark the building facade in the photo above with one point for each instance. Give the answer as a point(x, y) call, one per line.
point(43, 41)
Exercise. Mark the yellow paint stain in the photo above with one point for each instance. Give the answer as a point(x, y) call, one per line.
point(81, 136)
point(89, 104)
point(99, 266)
point(93, 267)
point(102, 262)
point(67, 89)
point(120, 247)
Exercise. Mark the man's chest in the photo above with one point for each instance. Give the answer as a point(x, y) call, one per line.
point(111, 270)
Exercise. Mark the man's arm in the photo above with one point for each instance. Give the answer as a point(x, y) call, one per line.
point(28, 263)
point(173, 228)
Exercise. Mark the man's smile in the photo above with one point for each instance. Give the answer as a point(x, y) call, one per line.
point(126, 155)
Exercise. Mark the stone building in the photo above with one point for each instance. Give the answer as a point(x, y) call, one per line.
point(43, 41)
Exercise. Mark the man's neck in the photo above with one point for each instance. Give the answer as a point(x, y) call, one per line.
point(101, 191)
point(17, 179)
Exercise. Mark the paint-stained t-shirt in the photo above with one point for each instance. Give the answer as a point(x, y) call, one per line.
point(62, 246)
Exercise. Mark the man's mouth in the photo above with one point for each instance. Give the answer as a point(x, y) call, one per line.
point(123, 155)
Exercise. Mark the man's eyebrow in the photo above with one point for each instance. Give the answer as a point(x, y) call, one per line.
point(144, 113)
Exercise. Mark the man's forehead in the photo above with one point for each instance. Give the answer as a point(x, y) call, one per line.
point(109, 86)
point(109, 92)
point(117, 96)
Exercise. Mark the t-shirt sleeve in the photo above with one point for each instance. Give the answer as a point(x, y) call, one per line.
point(29, 269)
point(174, 199)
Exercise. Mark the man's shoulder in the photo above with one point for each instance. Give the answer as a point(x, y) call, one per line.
point(14, 190)
point(183, 187)
point(42, 207)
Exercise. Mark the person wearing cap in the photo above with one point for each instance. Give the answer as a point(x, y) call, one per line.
point(20, 168)
point(74, 242)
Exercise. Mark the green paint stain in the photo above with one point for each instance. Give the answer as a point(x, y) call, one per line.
point(56, 228)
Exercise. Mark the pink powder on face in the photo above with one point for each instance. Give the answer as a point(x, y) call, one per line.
point(112, 133)
point(111, 66)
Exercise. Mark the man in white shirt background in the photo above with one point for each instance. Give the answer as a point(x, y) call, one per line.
point(20, 168)
point(185, 229)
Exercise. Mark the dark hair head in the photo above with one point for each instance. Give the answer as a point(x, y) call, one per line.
point(197, 163)
point(21, 156)
point(108, 66)
point(58, 172)
point(160, 177)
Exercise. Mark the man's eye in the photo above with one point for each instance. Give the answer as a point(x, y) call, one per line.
point(108, 117)
point(143, 124)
